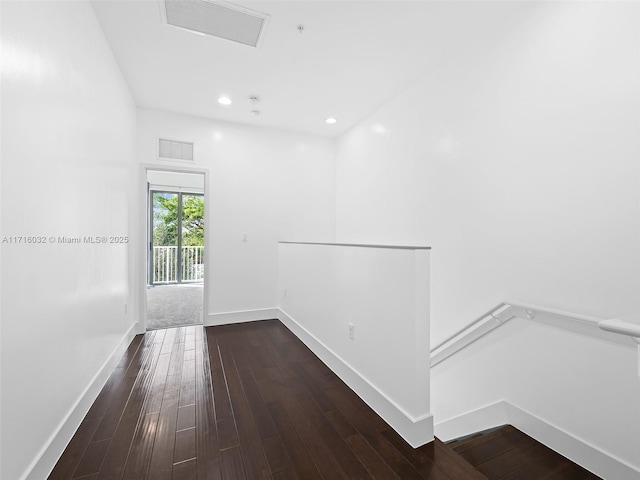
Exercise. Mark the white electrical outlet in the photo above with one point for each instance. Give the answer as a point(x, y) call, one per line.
point(351, 331)
point(244, 237)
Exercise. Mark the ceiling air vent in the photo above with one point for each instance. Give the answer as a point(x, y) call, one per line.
point(175, 150)
point(217, 19)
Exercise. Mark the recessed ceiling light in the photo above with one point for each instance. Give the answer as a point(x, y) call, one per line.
point(331, 120)
point(224, 101)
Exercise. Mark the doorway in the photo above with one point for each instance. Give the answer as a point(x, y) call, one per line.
point(176, 254)
point(177, 237)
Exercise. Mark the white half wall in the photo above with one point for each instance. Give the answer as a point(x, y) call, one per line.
point(269, 184)
point(517, 162)
point(384, 294)
point(68, 170)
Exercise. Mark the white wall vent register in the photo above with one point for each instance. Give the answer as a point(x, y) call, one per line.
point(217, 19)
point(175, 150)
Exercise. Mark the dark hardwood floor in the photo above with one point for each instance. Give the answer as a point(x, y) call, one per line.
point(239, 402)
point(246, 401)
point(509, 454)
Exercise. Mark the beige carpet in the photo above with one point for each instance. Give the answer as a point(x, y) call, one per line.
point(174, 305)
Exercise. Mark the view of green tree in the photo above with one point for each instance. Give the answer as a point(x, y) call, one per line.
point(165, 230)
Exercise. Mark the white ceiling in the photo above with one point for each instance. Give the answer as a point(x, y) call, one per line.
point(352, 57)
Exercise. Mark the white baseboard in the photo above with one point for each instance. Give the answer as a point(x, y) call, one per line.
point(46, 459)
point(225, 318)
point(590, 457)
point(478, 420)
point(577, 450)
point(415, 431)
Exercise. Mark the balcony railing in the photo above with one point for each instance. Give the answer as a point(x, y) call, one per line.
point(165, 264)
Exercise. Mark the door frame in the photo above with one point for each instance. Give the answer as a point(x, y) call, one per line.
point(141, 276)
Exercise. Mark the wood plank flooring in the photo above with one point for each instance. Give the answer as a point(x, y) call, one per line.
point(237, 402)
point(509, 454)
point(250, 401)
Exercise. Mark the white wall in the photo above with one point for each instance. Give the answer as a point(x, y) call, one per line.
point(584, 385)
point(68, 168)
point(517, 162)
point(270, 184)
point(384, 293)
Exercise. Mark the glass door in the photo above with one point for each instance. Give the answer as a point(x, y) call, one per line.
point(191, 237)
point(177, 233)
point(165, 239)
